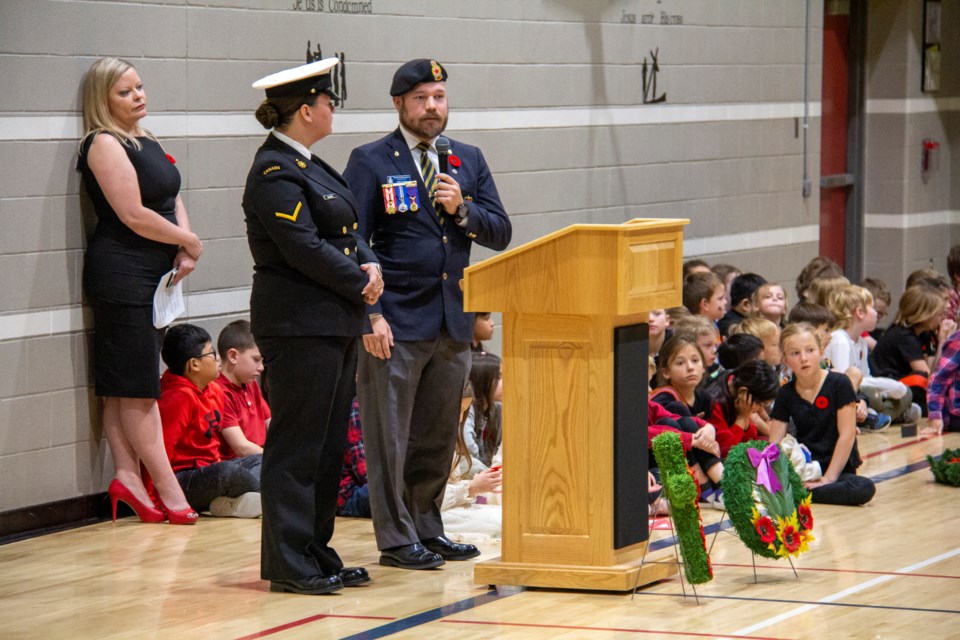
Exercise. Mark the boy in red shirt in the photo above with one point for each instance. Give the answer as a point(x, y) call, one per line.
point(191, 409)
point(246, 415)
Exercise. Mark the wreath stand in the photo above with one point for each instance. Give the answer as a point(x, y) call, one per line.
point(676, 553)
point(753, 556)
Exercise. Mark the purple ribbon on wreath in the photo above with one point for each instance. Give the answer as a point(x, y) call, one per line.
point(761, 462)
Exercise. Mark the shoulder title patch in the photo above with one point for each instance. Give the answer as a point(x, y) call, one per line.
point(275, 167)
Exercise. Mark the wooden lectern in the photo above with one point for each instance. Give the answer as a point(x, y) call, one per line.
point(575, 306)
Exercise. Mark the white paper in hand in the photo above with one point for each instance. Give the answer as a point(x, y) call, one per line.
point(167, 300)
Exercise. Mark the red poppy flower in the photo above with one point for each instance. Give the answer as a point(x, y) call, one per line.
point(821, 402)
point(453, 160)
point(791, 538)
point(954, 460)
point(170, 158)
point(805, 517)
point(766, 530)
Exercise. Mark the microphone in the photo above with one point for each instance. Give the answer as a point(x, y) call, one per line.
point(443, 152)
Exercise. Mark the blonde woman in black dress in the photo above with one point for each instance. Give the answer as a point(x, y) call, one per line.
point(142, 232)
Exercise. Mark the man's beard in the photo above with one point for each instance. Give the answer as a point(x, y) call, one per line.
point(426, 128)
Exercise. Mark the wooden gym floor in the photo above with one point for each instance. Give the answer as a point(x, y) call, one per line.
point(887, 570)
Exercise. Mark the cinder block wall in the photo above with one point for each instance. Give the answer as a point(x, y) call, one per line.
point(552, 91)
point(910, 220)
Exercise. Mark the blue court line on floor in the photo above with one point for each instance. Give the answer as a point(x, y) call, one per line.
point(404, 624)
point(811, 602)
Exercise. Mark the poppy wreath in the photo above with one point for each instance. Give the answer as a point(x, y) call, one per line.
point(683, 492)
point(783, 528)
point(946, 469)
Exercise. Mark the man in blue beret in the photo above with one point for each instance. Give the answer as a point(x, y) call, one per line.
point(420, 222)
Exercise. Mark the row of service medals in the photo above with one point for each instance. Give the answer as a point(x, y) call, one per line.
point(400, 195)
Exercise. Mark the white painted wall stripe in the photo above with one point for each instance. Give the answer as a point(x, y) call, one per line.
point(199, 125)
point(913, 105)
point(751, 240)
point(911, 220)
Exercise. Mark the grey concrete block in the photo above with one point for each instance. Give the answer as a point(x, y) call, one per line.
point(39, 168)
point(26, 423)
point(225, 264)
point(75, 416)
point(37, 280)
point(13, 359)
point(40, 224)
point(76, 465)
point(52, 363)
point(216, 213)
point(217, 163)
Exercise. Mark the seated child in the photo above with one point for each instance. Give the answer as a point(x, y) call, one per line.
point(770, 301)
point(482, 428)
point(695, 265)
point(817, 316)
point(821, 404)
point(353, 500)
point(769, 334)
point(679, 373)
point(703, 294)
point(246, 415)
point(465, 517)
point(741, 395)
point(737, 349)
point(482, 329)
point(822, 288)
point(657, 320)
point(741, 292)
point(899, 353)
point(819, 267)
point(881, 302)
point(943, 392)
point(727, 274)
point(191, 409)
point(848, 352)
point(704, 332)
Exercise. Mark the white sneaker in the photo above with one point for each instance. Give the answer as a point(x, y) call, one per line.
point(244, 506)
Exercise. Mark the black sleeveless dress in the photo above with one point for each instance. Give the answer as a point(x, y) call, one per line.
point(121, 271)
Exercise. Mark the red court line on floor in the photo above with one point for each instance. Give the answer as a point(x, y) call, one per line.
point(303, 621)
point(824, 570)
point(568, 627)
point(899, 446)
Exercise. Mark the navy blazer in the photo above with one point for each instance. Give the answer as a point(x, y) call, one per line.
point(423, 255)
point(302, 229)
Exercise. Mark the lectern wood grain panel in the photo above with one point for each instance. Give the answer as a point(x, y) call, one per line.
point(561, 297)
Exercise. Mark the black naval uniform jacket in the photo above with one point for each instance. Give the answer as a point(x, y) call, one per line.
point(302, 229)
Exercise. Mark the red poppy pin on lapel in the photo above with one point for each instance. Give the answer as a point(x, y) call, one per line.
point(170, 158)
point(453, 160)
point(821, 402)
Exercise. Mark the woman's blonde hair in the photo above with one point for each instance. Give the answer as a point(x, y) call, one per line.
point(844, 303)
point(820, 289)
point(918, 305)
point(97, 83)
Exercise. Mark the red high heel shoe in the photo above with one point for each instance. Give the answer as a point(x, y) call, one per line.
point(118, 492)
point(184, 516)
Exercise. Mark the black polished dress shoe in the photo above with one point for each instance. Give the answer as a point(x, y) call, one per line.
point(312, 586)
point(410, 556)
point(352, 576)
point(449, 550)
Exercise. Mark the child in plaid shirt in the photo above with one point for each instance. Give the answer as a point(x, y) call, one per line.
point(943, 392)
point(354, 498)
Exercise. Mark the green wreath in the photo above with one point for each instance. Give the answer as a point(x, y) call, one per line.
point(946, 469)
point(784, 528)
point(683, 492)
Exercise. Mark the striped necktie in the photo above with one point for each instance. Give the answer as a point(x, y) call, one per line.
point(429, 173)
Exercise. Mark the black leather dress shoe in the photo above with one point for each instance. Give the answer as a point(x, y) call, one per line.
point(410, 556)
point(449, 550)
point(312, 586)
point(352, 576)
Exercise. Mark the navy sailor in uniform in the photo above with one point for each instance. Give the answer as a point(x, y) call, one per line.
point(313, 277)
point(421, 223)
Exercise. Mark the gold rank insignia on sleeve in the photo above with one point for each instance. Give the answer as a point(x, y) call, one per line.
point(300, 163)
point(275, 167)
point(290, 216)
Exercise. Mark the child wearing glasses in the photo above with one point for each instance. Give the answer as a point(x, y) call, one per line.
point(191, 410)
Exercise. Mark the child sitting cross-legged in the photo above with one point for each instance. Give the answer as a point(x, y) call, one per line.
point(191, 409)
point(848, 351)
point(246, 415)
point(821, 404)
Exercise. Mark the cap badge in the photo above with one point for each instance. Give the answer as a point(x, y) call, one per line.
point(436, 71)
